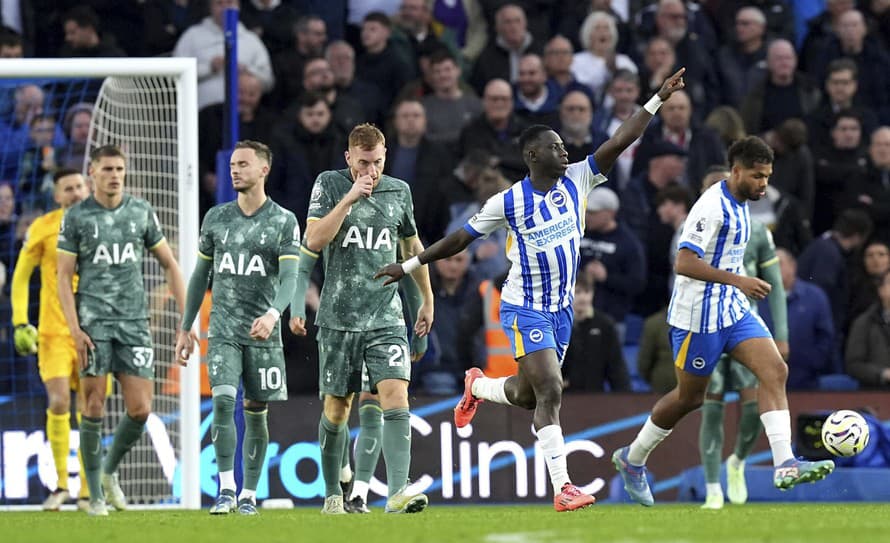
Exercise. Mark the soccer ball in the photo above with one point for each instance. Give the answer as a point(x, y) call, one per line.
point(845, 433)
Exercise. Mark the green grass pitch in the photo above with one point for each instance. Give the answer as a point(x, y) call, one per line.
point(686, 523)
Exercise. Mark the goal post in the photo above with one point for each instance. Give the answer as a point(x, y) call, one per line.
point(133, 79)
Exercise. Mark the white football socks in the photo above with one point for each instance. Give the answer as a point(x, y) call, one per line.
point(777, 427)
point(247, 494)
point(491, 389)
point(649, 437)
point(553, 446)
point(360, 489)
point(227, 481)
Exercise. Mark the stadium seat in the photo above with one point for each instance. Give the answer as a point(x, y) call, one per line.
point(633, 328)
point(837, 382)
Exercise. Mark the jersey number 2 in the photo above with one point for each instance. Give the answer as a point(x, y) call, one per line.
point(398, 352)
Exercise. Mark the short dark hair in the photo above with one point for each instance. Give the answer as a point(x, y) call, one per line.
point(310, 98)
point(442, 54)
point(10, 38)
point(106, 151)
point(531, 134)
point(41, 118)
point(852, 222)
point(623, 74)
point(83, 16)
point(64, 172)
point(676, 193)
point(749, 151)
point(261, 149)
point(303, 22)
point(840, 65)
point(378, 17)
point(846, 113)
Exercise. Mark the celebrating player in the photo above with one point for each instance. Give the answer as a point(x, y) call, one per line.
point(709, 314)
point(544, 216)
point(103, 239)
point(760, 261)
point(355, 217)
point(56, 356)
point(251, 247)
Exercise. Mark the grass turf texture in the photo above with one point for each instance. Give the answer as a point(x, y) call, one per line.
point(805, 523)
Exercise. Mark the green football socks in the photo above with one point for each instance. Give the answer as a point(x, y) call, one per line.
point(369, 442)
point(91, 450)
point(710, 439)
point(749, 429)
point(330, 439)
point(222, 431)
point(397, 447)
point(256, 439)
point(126, 435)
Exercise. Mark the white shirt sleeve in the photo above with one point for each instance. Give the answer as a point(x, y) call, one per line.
point(490, 218)
point(704, 221)
point(586, 176)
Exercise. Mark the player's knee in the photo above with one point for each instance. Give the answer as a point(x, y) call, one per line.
point(255, 406)
point(59, 404)
point(139, 413)
point(690, 401)
point(526, 401)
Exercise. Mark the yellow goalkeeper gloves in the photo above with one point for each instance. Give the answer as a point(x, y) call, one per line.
point(25, 338)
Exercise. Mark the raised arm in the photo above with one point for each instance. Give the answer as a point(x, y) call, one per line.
point(631, 129)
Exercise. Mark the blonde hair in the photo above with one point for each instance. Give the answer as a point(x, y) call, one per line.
point(366, 136)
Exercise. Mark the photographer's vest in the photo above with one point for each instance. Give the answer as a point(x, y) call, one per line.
point(500, 361)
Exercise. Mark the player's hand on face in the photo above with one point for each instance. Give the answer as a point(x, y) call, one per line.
point(298, 326)
point(262, 327)
point(754, 287)
point(672, 84)
point(784, 349)
point(424, 324)
point(393, 271)
point(84, 346)
point(361, 188)
point(185, 346)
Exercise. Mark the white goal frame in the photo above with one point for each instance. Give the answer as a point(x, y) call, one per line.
point(184, 72)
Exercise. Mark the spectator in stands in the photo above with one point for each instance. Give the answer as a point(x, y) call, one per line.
point(841, 86)
point(659, 62)
point(382, 64)
point(676, 125)
point(726, 122)
point(452, 289)
point(793, 166)
point(500, 58)
point(692, 52)
point(782, 93)
point(594, 361)
point(497, 130)
point(874, 195)
point(310, 36)
point(867, 279)
point(840, 167)
point(164, 21)
point(35, 187)
point(255, 122)
point(341, 58)
point(306, 144)
point(421, 163)
point(11, 45)
point(595, 64)
point(572, 15)
point(639, 211)
point(76, 126)
point(655, 359)
point(449, 107)
point(273, 21)
point(851, 41)
point(826, 262)
point(868, 350)
point(612, 258)
point(558, 66)
point(533, 100)
point(618, 106)
point(8, 220)
point(744, 60)
point(465, 22)
point(205, 42)
point(414, 25)
point(821, 30)
point(318, 77)
point(777, 15)
point(575, 118)
point(672, 203)
point(82, 39)
point(810, 327)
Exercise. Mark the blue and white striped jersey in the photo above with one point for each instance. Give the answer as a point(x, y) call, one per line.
point(717, 229)
point(543, 235)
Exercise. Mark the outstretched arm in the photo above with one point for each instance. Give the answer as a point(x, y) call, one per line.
point(631, 129)
point(450, 245)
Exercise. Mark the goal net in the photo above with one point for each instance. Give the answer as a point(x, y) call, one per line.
point(149, 111)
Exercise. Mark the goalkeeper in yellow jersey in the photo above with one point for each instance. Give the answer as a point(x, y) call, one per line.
point(56, 355)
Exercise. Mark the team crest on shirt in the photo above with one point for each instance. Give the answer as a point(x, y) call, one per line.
point(536, 336)
point(700, 224)
point(557, 197)
point(698, 363)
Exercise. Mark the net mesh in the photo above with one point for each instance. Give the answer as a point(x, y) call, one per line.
point(138, 114)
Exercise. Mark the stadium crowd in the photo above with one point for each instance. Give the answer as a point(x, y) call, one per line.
point(454, 83)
